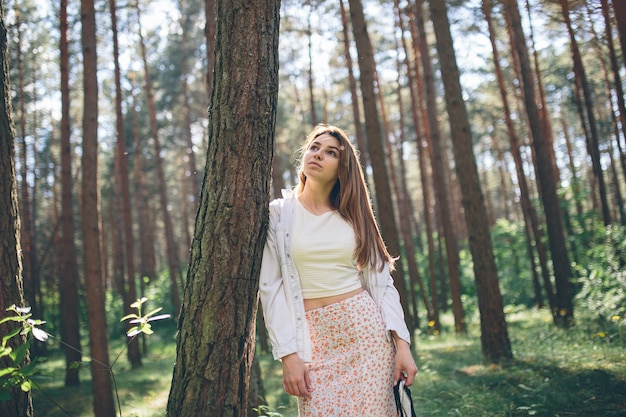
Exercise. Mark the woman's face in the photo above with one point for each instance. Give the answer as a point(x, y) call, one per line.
point(321, 159)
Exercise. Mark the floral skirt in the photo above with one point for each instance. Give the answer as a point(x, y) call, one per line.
point(353, 361)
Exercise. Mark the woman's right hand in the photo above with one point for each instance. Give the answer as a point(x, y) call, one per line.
point(296, 376)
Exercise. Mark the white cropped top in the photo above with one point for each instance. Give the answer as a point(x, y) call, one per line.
point(322, 248)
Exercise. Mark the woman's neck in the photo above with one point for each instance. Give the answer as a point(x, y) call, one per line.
point(315, 200)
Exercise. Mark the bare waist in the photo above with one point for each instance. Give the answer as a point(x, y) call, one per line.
point(313, 303)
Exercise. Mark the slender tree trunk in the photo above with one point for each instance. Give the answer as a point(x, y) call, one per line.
point(25, 203)
point(191, 172)
point(133, 354)
point(617, 82)
point(438, 172)
point(173, 262)
point(546, 124)
point(356, 112)
point(420, 121)
point(496, 346)
point(68, 287)
point(376, 149)
point(103, 405)
point(593, 146)
point(11, 286)
point(619, 6)
point(146, 242)
point(528, 210)
point(209, 31)
point(564, 313)
point(431, 311)
point(310, 79)
point(215, 343)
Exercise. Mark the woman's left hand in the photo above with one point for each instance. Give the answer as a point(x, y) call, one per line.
point(405, 367)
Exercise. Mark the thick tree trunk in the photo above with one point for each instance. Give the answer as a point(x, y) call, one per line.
point(564, 312)
point(215, 344)
point(496, 346)
point(11, 289)
point(103, 405)
point(68, 287)
point(376, 150)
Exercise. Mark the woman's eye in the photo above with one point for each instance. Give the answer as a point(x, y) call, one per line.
point(332, 153)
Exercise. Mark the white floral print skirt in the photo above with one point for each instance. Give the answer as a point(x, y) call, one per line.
point(353, 360)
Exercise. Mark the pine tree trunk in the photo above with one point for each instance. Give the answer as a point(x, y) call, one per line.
point(103, 405)
point(356, 110)
point(215, 343)
point(68, 287)
point(438, 172)
point(593, 141)
point(528, 211)
point(564, 312)
point(121, 169)
point(173, 261)
point(416, 87)
point(619, 6)
point(11, 286)
point(496, 346)
point(617, 82)
point(376, 151)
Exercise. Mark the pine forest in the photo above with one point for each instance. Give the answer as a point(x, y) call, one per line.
point(142, 141)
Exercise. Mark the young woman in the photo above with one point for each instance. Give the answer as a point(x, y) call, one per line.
point(331, 309)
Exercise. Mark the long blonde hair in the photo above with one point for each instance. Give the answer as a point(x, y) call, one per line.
point(351, 198)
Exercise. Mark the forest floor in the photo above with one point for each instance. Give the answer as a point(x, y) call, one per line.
point(580, 372)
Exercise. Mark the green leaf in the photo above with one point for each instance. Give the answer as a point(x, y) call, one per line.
point(12, 318)
point(11, 334)
point(7, 371)
point(19, 354)
point(129, 316)
point(75, 365)
point(156, 310)
point(26, 386)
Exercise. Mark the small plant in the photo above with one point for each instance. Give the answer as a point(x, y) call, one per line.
point(20, 372)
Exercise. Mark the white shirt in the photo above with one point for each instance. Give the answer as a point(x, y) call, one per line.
point(322, 247)
point(281, 295)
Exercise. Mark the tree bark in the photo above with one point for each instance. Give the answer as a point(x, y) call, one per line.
point(496, 346)
point(103, 405)
point(215, 344)
point(619, 6)
point(121, 166)
point(68, 287)
point(441, 186)
point(528, 210)
point(356, 111)
point(593, 141)
point(11, 286)
point(173, 261)
point(376, 150)
point(564, 312)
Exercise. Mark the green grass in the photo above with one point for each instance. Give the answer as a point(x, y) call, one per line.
point(579, 372)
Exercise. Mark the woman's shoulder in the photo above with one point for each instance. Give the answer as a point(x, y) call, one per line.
point(278, 204)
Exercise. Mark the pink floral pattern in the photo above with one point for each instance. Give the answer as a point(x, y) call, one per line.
point(352, 369)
